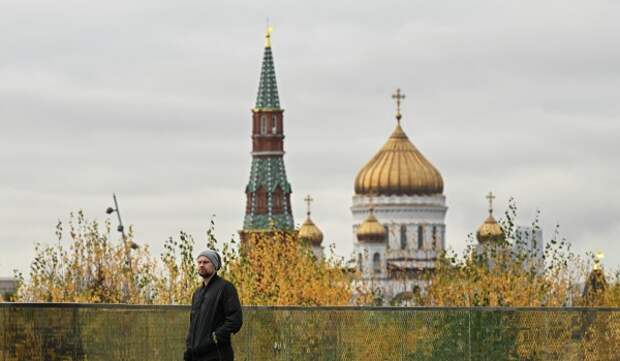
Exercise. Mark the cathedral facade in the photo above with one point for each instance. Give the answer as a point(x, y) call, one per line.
point(399, 212)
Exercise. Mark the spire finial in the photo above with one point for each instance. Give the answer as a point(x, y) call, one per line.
point(268, 35)
point(308, 201)
point(398, 96)
point(490, 197)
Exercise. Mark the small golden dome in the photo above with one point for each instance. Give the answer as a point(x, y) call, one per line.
point(309, 232)
point(490, 231)
point(371, 230)
point(398, 169)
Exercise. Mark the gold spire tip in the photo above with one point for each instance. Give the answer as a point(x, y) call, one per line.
point(268, 36)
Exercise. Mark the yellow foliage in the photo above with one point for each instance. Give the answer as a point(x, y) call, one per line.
point(274, 268)
point(91, 270)
point(496, 281)
point(512, 273)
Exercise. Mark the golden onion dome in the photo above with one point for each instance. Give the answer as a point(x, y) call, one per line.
point(309, 232)
point(398, 169)
point(371, 230)
point(490, 231)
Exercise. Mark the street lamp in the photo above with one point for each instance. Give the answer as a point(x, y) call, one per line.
point(120, 227)
point(131, 244)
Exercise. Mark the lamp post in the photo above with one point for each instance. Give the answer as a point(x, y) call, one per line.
point(120, 227)
point(128, 244)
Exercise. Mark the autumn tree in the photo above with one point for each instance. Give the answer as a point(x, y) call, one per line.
point(86, 265)
point(274, 268)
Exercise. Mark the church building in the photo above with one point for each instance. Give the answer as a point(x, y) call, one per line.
point(399, 212)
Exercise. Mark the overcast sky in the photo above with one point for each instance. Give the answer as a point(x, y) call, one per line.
point(152, 100)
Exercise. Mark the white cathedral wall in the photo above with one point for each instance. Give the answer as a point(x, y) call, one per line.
point(367, 252)
point(394, 212)
point(401, 209)
point(411, 212)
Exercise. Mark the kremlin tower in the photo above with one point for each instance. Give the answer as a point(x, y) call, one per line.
point(268, 193)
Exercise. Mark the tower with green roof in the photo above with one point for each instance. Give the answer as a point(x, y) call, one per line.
point(268, 193)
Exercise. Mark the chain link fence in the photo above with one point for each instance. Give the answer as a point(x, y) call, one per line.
point(86, 332)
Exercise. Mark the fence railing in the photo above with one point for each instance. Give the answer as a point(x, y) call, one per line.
point(86, 332)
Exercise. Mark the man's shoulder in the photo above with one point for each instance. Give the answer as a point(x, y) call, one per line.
point(196, 290)
point(227, 285)
point(225, 282)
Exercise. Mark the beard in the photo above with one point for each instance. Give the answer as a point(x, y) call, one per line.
point(205, 273)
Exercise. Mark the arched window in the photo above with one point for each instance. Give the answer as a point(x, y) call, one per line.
point(376, 262)
point(420, 237)
point(403, 236)
point(274, 124)
point(277, 200)
point(261, 200)
point(263, 124)
point(434, 237)
point(359, 262)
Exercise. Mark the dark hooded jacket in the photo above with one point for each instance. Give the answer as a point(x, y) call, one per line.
point(215, 311)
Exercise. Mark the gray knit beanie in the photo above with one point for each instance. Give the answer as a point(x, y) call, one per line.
point(212, 256)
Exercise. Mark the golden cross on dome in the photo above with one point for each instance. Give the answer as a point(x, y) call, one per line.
point(398, 96)
point(308, 200)
point(490, 197)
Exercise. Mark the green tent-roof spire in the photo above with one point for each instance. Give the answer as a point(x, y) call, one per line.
point(268, 88)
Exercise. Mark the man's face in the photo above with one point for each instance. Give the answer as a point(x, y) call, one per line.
point(205, 268)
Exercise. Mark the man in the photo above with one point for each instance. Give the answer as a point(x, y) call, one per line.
point(215, 315)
